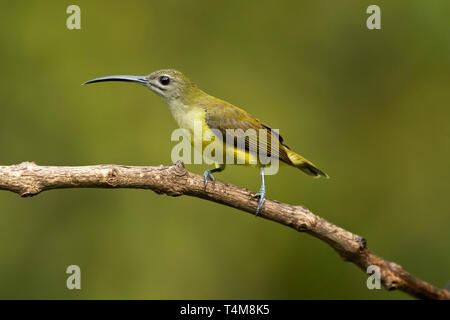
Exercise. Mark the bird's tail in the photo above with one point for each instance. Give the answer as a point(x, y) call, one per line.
point(306, 166)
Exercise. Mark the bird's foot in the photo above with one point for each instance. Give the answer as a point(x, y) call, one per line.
point(208, 176)
point(262, 197)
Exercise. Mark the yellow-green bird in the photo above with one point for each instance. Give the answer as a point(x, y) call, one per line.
point(190, 105)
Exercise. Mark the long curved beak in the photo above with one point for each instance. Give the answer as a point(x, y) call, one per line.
point(138, 79)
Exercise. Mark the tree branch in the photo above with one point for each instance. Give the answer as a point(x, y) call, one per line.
point(28, 179)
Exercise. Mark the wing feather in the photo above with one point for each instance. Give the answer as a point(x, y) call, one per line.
point(221, 115)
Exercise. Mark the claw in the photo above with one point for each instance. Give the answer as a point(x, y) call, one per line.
point(262, 197)
point(208, 175)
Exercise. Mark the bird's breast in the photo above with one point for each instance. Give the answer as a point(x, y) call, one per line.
point(186, 115)
point(191, 118)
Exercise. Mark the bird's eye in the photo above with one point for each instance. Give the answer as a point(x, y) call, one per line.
point(164, 80)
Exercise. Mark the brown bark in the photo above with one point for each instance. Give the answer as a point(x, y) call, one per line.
point(28, 179)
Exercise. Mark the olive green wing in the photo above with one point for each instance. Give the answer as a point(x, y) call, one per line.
point(224, 117)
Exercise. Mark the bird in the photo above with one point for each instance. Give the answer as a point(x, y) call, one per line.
point(189, 104)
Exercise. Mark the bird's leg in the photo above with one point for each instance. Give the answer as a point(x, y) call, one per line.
point(261, 193)
point(208, 173)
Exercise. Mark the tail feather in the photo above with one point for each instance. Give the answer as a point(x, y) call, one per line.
point(306, 166)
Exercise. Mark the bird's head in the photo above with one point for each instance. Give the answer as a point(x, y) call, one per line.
point(168, 83)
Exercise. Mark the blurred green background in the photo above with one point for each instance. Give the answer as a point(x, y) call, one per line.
point(371, 108)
